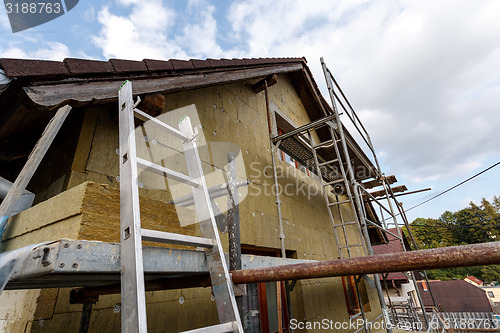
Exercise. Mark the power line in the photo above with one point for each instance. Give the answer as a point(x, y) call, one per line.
point(454, 226)
point(451, 188)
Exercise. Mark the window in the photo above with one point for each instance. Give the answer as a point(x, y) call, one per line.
point(351, 295)
point(491, 294)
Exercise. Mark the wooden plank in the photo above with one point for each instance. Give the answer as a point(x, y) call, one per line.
point(374, 183)
point(34, 160)
point(84, 145)
point(261, 85)
point(105, 91)
point(395, 189)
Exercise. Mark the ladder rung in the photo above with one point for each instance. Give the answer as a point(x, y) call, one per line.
point(350, 245)
point(329, 162)
point(172, 238)
point(346, 223)
point(337, 181)
point(221, 328)
point(325, 143)
point(170, 173)
point(338, 203)
point(145, 117)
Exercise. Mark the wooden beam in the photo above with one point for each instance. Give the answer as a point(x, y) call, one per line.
point(261, 85)
point(395, 189)
point(34, 160)
point(106, 91)
point(374, 183)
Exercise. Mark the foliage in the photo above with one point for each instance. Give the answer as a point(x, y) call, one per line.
point(473, 224)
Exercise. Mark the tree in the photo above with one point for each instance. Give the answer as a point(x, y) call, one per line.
point(470, 225)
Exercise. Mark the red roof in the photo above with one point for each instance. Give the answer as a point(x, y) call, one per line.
point(393, 246)
point(475, 280)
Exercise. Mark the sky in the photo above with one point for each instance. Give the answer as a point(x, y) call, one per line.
point(423, 76)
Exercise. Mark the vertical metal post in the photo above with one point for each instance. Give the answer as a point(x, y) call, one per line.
point(233, 223)
point(132, 275)
point(233, 215)
point(278, 201)
point(85, 318)
point(273, 153)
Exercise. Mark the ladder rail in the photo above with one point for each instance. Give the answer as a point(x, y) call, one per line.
point(133, 314)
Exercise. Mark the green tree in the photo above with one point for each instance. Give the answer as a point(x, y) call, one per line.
point(472, 224)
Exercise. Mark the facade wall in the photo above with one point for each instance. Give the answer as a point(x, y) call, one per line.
point(228, 113)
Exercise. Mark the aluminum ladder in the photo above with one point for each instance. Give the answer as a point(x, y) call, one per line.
point(131, 237)
point(342, 183)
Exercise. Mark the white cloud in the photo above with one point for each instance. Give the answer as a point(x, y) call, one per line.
point(423, 75)
point(44, 50)
point(200, 39)
point(142, 34)
point(149, 31)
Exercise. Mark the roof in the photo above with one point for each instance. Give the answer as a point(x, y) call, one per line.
point(474, 279)
point(72, 67)
point(393, 246)
point(44, 85)
point(456, 296)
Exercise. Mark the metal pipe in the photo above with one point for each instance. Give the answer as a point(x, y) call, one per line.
point(445, 257)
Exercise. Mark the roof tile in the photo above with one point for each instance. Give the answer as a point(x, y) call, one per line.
point(200, 63)
point(24, 67)
point(181, 64)
point(215, 62)
point(84, 66)
point(158, 65)
point(239, 62)
point(228, 62)
point(123, 66)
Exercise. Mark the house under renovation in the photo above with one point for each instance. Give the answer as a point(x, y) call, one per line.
point(144, 173)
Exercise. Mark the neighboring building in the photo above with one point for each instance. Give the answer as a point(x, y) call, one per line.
point(493, 293)
point(455, 296)
point(474, 281)
point(70, 205)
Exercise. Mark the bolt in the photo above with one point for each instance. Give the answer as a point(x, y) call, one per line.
point(79, 246)
point(66, 245)
point(75, 265)
point(61, 265)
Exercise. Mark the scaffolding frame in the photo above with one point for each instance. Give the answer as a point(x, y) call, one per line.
point(302, 149)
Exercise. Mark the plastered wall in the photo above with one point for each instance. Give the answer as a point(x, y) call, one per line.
point(228, 113)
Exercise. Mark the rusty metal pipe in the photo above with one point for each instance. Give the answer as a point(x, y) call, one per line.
point(446, 257)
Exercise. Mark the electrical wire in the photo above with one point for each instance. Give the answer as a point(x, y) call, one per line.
point(453, 187)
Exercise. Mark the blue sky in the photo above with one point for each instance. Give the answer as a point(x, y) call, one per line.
point(424, 76)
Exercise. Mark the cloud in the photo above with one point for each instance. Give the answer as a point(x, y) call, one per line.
point(141, 34)
point(152, 30)
point(43, 50)
point(200, 39)
point(422, 75)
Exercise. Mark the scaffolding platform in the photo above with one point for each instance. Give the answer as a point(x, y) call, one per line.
point(69, 263)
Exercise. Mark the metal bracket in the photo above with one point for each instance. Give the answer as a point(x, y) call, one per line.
point(240, 290)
